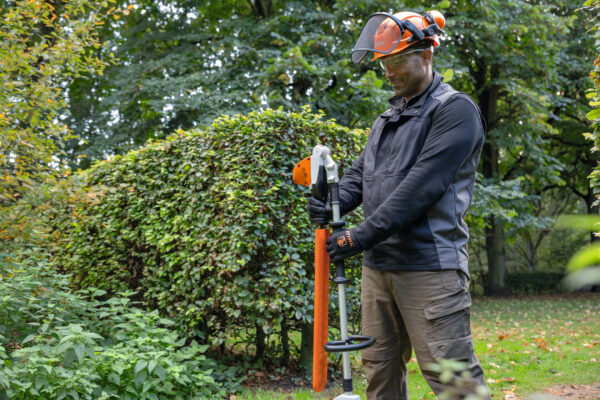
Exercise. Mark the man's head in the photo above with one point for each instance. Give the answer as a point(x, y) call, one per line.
point(404, 44)
point(410, 71)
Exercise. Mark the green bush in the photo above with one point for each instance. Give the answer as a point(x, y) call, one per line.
point(207, 225)
point(521, 283)
point(57, 344)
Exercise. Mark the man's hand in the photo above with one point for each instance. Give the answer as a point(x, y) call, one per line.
point(342, 245)
point(319, 212)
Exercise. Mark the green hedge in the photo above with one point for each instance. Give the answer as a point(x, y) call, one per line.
point(521, 283)
point(207, 225)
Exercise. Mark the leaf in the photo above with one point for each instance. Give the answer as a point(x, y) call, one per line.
point(589, 255)
point(583, 277)
point(151, 365)
point(140, 365)
point(28, 339)
point(114, 378)
point(69, 357)
point(63, 347)
point(448, 74)
point(99, 292)
point(117, 367)
point(593, 115)
point(442, 4)
point(140, 377)
point(160, 372)
point(74, 394)
point(585, 222)
point(79, 351)
point(4, 380)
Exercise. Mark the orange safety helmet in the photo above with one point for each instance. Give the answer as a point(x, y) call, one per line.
point(386, 34)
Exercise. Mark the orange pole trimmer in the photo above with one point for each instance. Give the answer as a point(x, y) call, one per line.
point(321, 310)
point(320, 173)
point(302, 176)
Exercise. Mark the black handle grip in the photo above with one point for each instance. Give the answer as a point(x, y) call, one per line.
point(319, 190)
point(354, 342)
point(340, 273)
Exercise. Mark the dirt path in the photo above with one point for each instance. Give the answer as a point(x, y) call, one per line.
point(564, 392)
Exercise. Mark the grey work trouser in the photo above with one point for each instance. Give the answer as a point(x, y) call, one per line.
point(425, 310)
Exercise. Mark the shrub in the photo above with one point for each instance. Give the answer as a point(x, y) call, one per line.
point(534, 282)
point(57, 344)
point(207, 225)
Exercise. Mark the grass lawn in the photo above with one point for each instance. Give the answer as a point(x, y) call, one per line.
point(524, 345)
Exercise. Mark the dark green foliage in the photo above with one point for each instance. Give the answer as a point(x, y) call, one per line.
point(521, 283)
point(208, 225)
point(592, 7)
point(185, 63)
point(57, 344)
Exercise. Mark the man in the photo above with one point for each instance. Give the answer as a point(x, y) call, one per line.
point(415, 181)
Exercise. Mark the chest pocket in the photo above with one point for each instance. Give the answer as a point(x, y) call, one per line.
point(404, 140)
point(377, 188)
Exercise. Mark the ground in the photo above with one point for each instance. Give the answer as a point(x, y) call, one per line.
point(531, 348)
point(569, 392)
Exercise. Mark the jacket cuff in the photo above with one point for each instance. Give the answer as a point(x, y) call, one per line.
point(366, 235)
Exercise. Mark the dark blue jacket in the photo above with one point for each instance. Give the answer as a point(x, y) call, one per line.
point(415, 180)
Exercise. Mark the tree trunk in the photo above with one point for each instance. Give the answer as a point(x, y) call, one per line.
point(490, 157)
point(285, 345)
point(260, 342)
point(306, 346)
point(494, 245)
point(531, 251)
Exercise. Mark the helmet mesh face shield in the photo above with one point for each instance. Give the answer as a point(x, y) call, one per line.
point(378, 36)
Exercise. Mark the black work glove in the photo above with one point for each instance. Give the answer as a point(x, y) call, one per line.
point(319, 212)
point(343, 244)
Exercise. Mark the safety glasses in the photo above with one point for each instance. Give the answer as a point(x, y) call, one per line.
point(398, 60)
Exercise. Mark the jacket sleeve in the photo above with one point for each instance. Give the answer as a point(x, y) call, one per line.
point(351, 186)
point(456, 132)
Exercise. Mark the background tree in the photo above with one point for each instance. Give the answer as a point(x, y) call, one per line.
point(594, 94)
point(183, 63)
point(44, 45)
point(502, 51)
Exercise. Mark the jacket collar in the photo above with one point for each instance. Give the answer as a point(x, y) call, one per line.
point(398, 104)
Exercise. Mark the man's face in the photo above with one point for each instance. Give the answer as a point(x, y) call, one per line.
point(407, 72)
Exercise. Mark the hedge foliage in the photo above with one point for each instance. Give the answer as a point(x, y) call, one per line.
point(537, 282)
point(206, 225)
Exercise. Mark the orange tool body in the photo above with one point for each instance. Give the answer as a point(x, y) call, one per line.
point(320, 173)
point(321, 317)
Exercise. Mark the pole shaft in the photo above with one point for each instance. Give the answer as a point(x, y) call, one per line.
point(344, 329)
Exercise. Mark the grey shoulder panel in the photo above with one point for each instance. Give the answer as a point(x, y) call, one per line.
point(446, 92)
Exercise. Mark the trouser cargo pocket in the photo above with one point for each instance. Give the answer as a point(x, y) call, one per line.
point(459, 349)
point(448, 326)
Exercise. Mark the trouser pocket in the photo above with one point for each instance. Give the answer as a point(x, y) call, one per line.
point(460, 349)
point(448, 327)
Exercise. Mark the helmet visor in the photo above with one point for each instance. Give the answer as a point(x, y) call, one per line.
point(382, 34)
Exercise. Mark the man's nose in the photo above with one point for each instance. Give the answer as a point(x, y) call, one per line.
point(389, 72)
